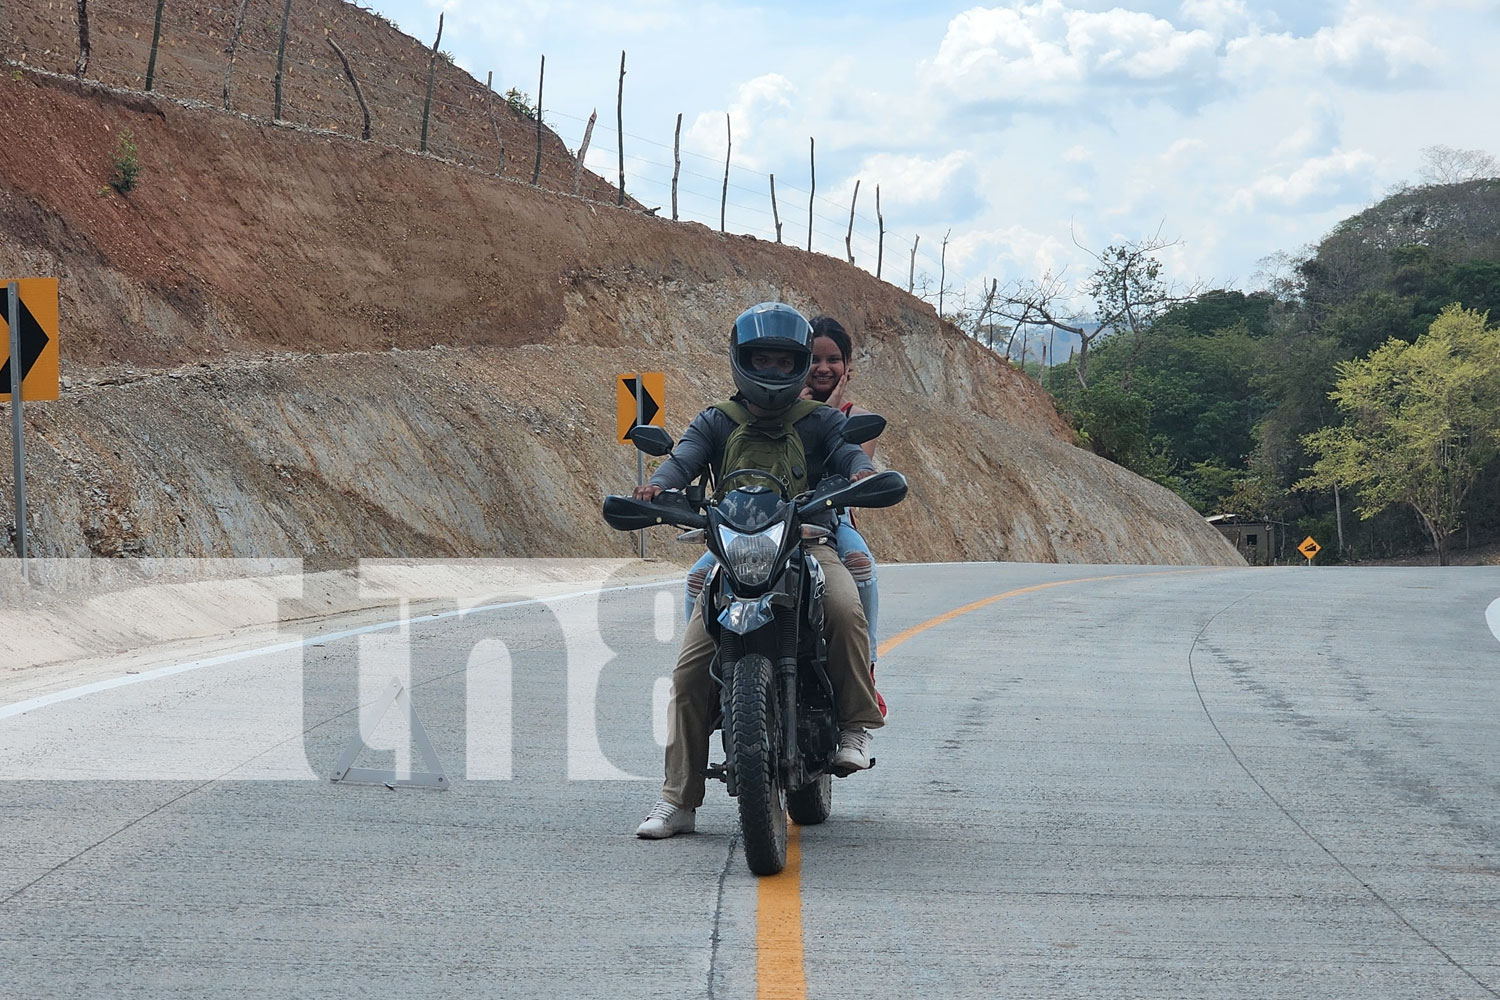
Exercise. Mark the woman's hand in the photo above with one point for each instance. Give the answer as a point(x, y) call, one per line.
point(836, 397)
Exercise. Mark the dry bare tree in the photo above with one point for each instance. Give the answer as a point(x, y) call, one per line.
point(1446, 165)
point(1125, 288)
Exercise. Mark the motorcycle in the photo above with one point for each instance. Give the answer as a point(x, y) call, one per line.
point(763, 607)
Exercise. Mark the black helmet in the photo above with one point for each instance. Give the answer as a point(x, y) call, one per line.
point(770, 326)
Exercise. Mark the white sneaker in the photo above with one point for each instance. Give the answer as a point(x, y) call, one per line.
point(666, 820)
point(854, 750)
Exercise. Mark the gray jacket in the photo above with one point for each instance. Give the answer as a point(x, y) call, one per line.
point(702, 447)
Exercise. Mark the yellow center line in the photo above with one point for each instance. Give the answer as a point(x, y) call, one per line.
point(779, 973)
point(779, 969)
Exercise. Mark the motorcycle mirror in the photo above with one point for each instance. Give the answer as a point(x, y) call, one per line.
point(651, 440)
point(863, 427)
point(884, 489)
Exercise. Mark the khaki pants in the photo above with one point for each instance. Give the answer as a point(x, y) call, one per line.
point(695, 695)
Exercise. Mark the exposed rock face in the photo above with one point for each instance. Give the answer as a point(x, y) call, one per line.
point(284, 344)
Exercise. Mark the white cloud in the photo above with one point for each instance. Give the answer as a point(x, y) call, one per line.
point(924, 186)
point(759, 104)
point(1374, 49)
point(1047, 54)
point(1221, 18)
point(1316, 136)
point(1183, 150)
point(1366, 49)
point(1322, 181)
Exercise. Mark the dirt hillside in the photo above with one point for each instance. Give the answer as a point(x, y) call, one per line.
point(292, 344)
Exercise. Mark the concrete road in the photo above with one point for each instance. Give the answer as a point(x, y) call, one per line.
point(1096, 782)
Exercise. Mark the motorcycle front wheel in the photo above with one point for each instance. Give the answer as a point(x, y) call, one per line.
point(753, 731)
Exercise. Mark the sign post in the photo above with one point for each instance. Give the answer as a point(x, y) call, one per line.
point(18, 446)
point(640, 457)
point(29, 372)
point(641, 398)
point(1309, 548)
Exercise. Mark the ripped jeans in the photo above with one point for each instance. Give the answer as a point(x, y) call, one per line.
point(852, 550)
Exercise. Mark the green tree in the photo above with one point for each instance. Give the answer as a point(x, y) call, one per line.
point(1421, 424)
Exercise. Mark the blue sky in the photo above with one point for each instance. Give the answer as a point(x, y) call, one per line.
point(1239, 129)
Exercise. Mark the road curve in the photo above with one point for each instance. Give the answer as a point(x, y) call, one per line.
point(1096, 781)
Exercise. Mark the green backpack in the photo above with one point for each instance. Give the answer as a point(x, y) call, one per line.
point(768, 443)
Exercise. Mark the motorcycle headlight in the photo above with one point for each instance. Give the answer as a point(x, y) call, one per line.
point(751, 557)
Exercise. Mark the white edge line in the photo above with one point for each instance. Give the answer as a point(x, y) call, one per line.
point(31, 705)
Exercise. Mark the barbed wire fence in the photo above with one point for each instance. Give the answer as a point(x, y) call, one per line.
point(250, 58)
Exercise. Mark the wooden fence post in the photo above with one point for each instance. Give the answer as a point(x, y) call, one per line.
point(229, 50)
point(724, 198)
point(911, 276)
point(812, 161)
point(156, 40)
point(775, 214)
point(583, 150)
point(489, 86)
point(943, 271)
point(432, 75)
point(286, 15)
point(82, 65)
point(620, 130)
point(880, 247)
point(536, 170)
point(676, 162)
point(358, 94)
point(849, 236)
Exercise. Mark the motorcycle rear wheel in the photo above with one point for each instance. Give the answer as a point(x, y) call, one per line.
point(811, 804)
point(753, 732)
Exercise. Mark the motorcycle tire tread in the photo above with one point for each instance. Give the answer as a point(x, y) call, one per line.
point(763, 818)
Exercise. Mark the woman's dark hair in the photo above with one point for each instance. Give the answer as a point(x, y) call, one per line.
point(827, 326)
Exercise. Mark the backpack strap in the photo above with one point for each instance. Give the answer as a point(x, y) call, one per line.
point(741, 414)
point(735, 411)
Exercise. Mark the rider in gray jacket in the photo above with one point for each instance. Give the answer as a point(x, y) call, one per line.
point(771, 349)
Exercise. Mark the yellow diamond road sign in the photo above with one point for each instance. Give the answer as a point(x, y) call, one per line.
point(37, 308)
point(1309, 548)
point(651, 386)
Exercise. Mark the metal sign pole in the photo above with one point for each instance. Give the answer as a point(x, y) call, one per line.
point(18, 447)
point(640, 459)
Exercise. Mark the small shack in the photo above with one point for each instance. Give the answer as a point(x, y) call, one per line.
point(1255, 539)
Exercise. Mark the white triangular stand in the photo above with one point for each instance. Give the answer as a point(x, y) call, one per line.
point(345, 773)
